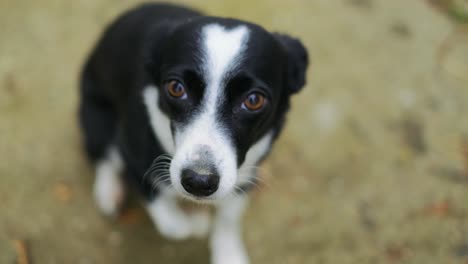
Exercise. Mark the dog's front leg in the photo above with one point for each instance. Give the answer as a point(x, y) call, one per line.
point(172, 222)
point(227, 246)
point(109, 190)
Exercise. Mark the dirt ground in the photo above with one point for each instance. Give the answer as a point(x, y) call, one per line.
point(372, 168)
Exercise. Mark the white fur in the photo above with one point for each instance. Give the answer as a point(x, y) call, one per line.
point(226, 240)
point(159, 121)
point(222, 50)
point(253, 156)
point(109, 191)
point(174, 223)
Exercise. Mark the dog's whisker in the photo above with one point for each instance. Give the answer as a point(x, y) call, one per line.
point(160, 164)
point(162, 178)
point(159, 170)
point(255, 183)
point(239, 189)
point(161, 182)
point(162, 158)
point(165, 155)
point(153, 170)
point(244, 173)
point(163, 175)
point(162, 161)
point(153, 173)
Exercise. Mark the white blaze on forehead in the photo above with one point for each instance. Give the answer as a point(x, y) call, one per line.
point(222, 49)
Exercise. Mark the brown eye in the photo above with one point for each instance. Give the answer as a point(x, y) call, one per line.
point(254, 101)
point(175, 89)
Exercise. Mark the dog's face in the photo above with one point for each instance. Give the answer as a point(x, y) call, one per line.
point(222, 88)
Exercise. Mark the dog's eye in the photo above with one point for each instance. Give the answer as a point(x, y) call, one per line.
point(175, 89)
point(254, 102)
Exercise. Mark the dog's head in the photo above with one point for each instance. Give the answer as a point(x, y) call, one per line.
point(221, 91)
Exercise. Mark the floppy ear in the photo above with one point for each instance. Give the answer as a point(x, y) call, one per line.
point(297, 62)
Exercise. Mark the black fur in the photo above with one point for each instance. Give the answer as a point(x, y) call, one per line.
point(156, 42)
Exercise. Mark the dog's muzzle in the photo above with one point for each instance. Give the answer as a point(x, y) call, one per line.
point(200, 178)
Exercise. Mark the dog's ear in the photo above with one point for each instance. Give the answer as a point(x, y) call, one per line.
point(297, 62)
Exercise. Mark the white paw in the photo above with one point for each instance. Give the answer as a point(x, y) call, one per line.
point(230, 258)
point(173, 222)
point(200, 224)
point(184, 226)
point(175, 230)
point(109, 191)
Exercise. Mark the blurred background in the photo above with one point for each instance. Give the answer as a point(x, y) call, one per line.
point(372, 167)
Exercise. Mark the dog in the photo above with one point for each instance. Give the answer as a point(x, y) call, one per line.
point(175, 104)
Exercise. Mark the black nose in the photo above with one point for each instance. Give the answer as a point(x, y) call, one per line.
point(199, 184)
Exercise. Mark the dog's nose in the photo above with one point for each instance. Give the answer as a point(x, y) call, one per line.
point(199, 184)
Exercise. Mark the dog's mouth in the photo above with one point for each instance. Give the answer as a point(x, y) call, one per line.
point(198, 200)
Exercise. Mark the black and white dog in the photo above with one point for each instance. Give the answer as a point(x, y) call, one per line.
point(178, 104)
